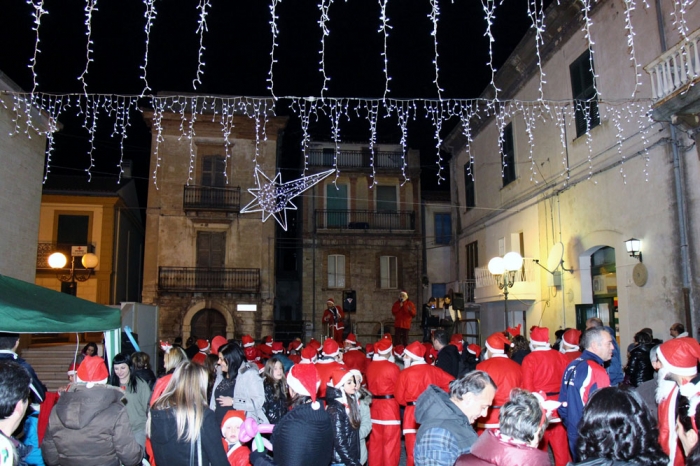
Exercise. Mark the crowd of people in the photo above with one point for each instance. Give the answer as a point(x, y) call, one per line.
point(440, 402)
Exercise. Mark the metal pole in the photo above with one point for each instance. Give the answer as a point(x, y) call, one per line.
point(505, 295)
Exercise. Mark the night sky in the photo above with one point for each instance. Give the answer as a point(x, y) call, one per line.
point(237, 61)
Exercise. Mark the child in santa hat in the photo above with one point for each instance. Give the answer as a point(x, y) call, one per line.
point(237, 453)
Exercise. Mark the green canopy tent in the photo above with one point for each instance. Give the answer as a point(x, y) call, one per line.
point(29, 308)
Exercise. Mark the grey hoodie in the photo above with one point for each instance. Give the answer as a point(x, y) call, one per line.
point(89, 426)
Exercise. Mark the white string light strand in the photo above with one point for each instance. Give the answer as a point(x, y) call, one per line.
point(403, 112)
point(536, 14)
point(39, 11)
point(384, 29)
point(275, 32)
point(90, 7)
point(150, 15)
point(680, 7)
point(324, 6)
point(335, 114)
point(587, 31)
point(434, 17)
point(201, 29)
point(158, 110)
point(629, 8)
point(489, 7)
point(92, 110)
point(434, 111)
point(372, 113)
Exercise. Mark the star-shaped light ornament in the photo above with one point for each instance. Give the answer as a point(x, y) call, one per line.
point(272, 197)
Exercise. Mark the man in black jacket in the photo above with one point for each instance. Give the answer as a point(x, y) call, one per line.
point(448, 355)
point(9, 342)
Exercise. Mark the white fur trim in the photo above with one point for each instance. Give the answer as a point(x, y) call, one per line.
point(494, 350)
point(674, 369)
point(383, 422)
point(411, 355)
point(391, 348)
point(296, 385)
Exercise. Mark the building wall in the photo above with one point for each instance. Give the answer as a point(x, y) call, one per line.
point(171, 234)
point(598, 202)
point(438, 257)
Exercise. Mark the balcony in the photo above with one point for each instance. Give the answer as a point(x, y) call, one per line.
point(45, 249)
point(208, 198)
point(356, 159)
point(485, 279)
point(213, 280)
point(363, 220)
point(673, 75)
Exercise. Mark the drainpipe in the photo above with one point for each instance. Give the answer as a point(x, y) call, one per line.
point(563, 294)
point(680, 202)
point(313, 273)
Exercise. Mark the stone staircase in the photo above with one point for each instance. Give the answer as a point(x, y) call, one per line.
point(50, 362)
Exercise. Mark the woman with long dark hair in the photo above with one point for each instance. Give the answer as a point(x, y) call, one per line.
point(230, 359)
point(344, 411)
point(137, 394)
point(182, 428)
point(617, 426)
point(275, 385)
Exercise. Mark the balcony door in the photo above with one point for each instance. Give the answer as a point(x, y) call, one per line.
point(387, 208)
point(213, 180)
point(211, 258)
point(336, 206)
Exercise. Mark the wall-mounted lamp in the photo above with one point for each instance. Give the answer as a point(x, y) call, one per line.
point(634, 248)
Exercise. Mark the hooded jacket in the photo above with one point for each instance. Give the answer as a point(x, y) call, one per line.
point(492, 449)
point(346, 443)
point(89, 426)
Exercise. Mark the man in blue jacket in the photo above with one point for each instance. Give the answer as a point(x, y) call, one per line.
point(614, 369)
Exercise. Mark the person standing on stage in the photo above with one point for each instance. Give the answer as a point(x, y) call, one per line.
point(335, 318)
point(403, 311)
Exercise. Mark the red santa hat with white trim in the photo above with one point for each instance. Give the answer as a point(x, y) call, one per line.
point(514, 331)
point(539, 336)
point(203, 345)
point(330, 348)
point(308, 355)
point(304, 380)
point(247, 341)
point(497, 343)
point(680, 356)
point(398, 351)
point(415, 351)
point(383, 346)
point(474, 349)
point(295, 345)
point(92, 371)
point(277, 347)
point(352, 339)
point(269, 340)
point(233, 417)
point(571, 338)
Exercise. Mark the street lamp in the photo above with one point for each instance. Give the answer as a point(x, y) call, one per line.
point(503, 269)
point(58, 260)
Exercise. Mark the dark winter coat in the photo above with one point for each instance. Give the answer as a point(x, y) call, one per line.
point(604, 462)
point(448, 360)
point(346, 444)
point(147, 376)
point(274, 409)
point(90, 427)
point(170, 451)
point(639, 368)
point(491, 450)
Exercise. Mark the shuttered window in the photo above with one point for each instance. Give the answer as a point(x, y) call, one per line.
point(584, 93)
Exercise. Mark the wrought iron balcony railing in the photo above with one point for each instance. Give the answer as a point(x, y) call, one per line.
point(356, 158)
point(365, 220)
point(212, 198)
point(204, 279)
point(45, 249)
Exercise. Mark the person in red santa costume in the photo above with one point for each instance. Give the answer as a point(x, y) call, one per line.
point(543, 370)
point(679, 358)
point(335, 318)
point(294, 350)
point(384, 447)
point(353, 358)
point(308, 356)
point(413, 380)
point(327, 363)
point(570, 344)
point(404, 311)
point(237, 453)
point(203, 346)
point(504, 371)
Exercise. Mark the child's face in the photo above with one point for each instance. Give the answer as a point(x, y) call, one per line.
point(231, 431)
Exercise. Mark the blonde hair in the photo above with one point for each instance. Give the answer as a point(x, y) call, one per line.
point(174, 358)
point(186, 395)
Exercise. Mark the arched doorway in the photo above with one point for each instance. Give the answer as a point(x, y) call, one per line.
point(208, 323)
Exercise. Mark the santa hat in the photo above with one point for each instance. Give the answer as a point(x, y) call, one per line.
point(387, 336)
point(403, 292)
point(251, 353)
point(92, 371)
point(269, 340)
point(277, 347)
point(165, 346)
point(680, 355)
point(539, 335)
point(383, 346)
point(330, 348)
point(203, 345)
point(430, 352)
point(369, 349)
point(339, 377)
point(358, 376)
point(314, 344)
point(304, 380)
point(330, 300)
point(232, 417)
point(474, 349)
point(216, 343)
point(459, 345)
point(571, 338)
point(415, 351)
point(456, 338)
point(497, 342)
point(352, 339)
point(247, 341)
point(308, 355)
point(514, 331)
point(265, 351)
point(73, 368)
point(398, 351)
point(295, 345)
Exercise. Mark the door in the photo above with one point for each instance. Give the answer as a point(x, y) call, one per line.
point(387, 215)
point(336, 206)
point(207, 324)
point(211, 254)
point(212, 181)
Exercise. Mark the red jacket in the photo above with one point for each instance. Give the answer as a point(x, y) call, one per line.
point(570, 356)
point(239, 456)
point(330, 319)
point(543, 370)
point(413, 381)
point(492, 449)
point(381, 380)
point(403, 313)
point(355, 359)
point(325, 371)
point(507, 375)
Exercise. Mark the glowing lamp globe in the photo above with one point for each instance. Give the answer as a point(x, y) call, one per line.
point(512, 261)
point(57, 260)
point(90, 261)
point(497, 266)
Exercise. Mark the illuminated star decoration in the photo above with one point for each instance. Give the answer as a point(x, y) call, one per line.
point(275, 198)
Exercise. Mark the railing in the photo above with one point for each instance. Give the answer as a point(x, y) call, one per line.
point(224, 280)
point(211, 198)
point(365, 220)
point(484, 277)
point(467, 288)
point(45, 249)
point(676, 68)
point(356, 158)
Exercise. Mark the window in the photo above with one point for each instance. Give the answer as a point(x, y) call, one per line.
point(336, 271)
point(211, 249)
point(584, 93)
point(73, 230)
point(386, 198)
point(388, 272)
point(213, 167)
point(469, 185)
point(443, 228)
point(508, 156)
point(470, 275)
